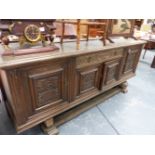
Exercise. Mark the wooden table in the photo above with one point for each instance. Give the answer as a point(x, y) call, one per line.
point(149, 45)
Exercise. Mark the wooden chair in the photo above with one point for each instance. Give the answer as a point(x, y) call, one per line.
point(78, 23)
point(102, 29)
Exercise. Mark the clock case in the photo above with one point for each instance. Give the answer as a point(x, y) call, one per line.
point(17, 27)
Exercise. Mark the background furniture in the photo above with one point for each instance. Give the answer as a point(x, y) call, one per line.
point(149, 45)
point(121, 27)
point(45, 85)
point(89, 24)
point(153, 63)
point(138, 23)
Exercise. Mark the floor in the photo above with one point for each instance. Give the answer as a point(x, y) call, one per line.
point(131, 113)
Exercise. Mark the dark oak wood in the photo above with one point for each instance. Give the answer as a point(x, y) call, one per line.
point(44, 86)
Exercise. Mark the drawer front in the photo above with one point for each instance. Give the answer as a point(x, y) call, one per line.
point(96, 58)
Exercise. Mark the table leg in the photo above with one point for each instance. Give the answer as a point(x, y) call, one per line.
point(63, 33)
point(153, 63)
point(88, 32)
point(144, 53)
point(78, 33)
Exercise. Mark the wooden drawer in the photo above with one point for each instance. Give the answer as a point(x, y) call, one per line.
point(96, 58)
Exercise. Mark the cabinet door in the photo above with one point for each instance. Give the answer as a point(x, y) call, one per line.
point(39, 90)
point(111, 71)
point(49, 87)
point(132, 57)
point(87, 80)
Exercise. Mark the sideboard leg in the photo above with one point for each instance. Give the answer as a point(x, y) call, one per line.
point(124, 87)
point(49, 127)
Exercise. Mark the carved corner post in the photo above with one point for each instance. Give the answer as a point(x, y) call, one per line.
point(49, 127)
point(124, 87)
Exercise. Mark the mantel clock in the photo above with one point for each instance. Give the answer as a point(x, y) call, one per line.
point(27, 30)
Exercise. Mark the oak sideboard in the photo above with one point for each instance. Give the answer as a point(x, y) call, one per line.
point(40, 86)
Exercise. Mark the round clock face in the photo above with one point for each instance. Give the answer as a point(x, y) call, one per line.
point(32, 33)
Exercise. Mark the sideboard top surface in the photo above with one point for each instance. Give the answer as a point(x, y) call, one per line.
point(65, 50)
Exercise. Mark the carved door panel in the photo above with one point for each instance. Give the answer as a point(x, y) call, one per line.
point(132, 57)
point(47, 85)
point(87, 80)
point(111, 71)
point(48, 88)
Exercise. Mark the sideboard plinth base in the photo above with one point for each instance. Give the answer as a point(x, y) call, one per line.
point(49, 127)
